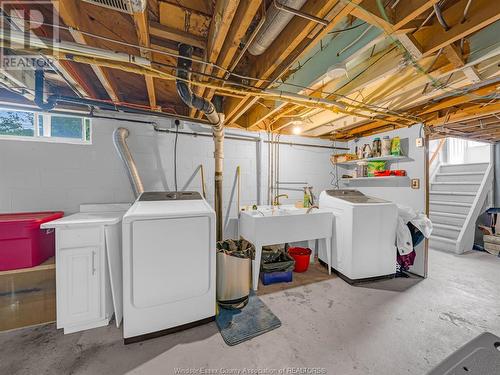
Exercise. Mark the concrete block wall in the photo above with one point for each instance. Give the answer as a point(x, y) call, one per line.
point(37, 175)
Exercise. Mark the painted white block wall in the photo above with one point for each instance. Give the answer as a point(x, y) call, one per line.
point(53, 176)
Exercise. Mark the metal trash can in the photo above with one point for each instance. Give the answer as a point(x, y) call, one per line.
point(234, 273)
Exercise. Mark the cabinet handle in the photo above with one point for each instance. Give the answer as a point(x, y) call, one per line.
point(93, 263)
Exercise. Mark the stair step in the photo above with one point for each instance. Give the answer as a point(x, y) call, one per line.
point(450, 207)
point(446, 231)
point(447, 214)
point(460, 173)
point(442, 243)
point(436, 218)
point(467, 186)
point(453, 196)
point(447, 226)
point(459, 177)
point(447, 218)
point(466, 167)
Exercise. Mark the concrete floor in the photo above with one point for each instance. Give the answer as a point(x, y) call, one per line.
point(391, 327)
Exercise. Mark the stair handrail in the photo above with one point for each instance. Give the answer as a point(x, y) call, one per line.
point(434, 168)
point(437, 151)
point(477, 204)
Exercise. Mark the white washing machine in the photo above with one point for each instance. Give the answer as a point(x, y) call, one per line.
point(364, 234)
point(168, 264)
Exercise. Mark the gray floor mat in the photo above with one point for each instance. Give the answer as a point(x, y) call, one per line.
point(237, 326)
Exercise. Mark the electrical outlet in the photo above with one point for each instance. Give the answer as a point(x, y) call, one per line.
point(415, 183)
point(419, 142)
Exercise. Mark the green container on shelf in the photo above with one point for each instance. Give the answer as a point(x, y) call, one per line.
point(396, 146)
point(375, 166)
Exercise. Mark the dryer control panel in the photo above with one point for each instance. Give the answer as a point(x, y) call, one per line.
point(169, 196)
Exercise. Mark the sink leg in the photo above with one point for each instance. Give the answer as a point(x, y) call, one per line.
point(313, 245)
point(328, 248)
point(256, 266)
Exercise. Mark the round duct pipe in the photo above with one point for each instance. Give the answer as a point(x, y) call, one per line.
point(276, 20)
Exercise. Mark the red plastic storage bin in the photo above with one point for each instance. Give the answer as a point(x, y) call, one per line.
point(22, 243)
point(301, 256)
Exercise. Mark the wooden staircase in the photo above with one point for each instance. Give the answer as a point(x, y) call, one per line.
point(457, 195)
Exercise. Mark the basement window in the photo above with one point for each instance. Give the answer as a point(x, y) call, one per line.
point(35, 126)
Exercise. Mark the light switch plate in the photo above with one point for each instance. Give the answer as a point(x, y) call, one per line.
point(415, 183)
point(419, 142)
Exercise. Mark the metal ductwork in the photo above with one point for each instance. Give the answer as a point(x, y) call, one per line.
point(120, 141)
point(216, 119)
point(276, 20)
point(126, 6)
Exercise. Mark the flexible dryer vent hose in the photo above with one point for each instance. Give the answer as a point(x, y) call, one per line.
point(120, 141)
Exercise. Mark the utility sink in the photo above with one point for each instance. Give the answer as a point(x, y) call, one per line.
point(269, 225)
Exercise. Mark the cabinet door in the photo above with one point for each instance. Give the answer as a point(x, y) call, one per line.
point(79, 285)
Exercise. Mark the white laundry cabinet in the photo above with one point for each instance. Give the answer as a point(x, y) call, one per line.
point(88, 270)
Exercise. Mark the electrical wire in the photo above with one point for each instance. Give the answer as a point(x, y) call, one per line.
point(347, 28)
point(414, 63)
point(229, 73)
point(244, 77)
point(175, 155)
point(149, 49)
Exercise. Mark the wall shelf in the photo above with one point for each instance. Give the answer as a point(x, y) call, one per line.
point(398, 178)
point(389, 158)
point(378, 182)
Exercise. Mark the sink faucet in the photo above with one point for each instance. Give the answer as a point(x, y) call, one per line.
point(311, 208)
point(276, 201)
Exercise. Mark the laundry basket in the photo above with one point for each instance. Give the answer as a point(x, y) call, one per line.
point(234, 273)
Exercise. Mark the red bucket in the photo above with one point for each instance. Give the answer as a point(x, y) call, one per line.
point(301, 255)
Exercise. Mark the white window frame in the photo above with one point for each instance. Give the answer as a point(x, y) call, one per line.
point(46, 129)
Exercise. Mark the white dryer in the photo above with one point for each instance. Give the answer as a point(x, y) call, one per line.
point(168, 264)
point(364, 234)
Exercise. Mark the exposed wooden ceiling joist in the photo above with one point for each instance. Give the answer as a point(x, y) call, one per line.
point(161, 31)
point(293, 41)
point(481, 14)
point(233, 29)
point(142, 26)
point(71, 16)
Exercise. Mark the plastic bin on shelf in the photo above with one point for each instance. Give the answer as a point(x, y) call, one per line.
point(22, 243)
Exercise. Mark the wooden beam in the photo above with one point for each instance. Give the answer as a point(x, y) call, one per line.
point(411, 45)
point(142, 26)
point(291, 37)
point(398, 17)
point(454, 55)
point(294, 41)
point(241, 20)
point(221, 21)
point(70, 14)
point(161, 31)
point(465, 114)
point(481, 14)
point(407, 10)
point(369, 12)
point(456, 101)
point(72, 74)
point(472, 74)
